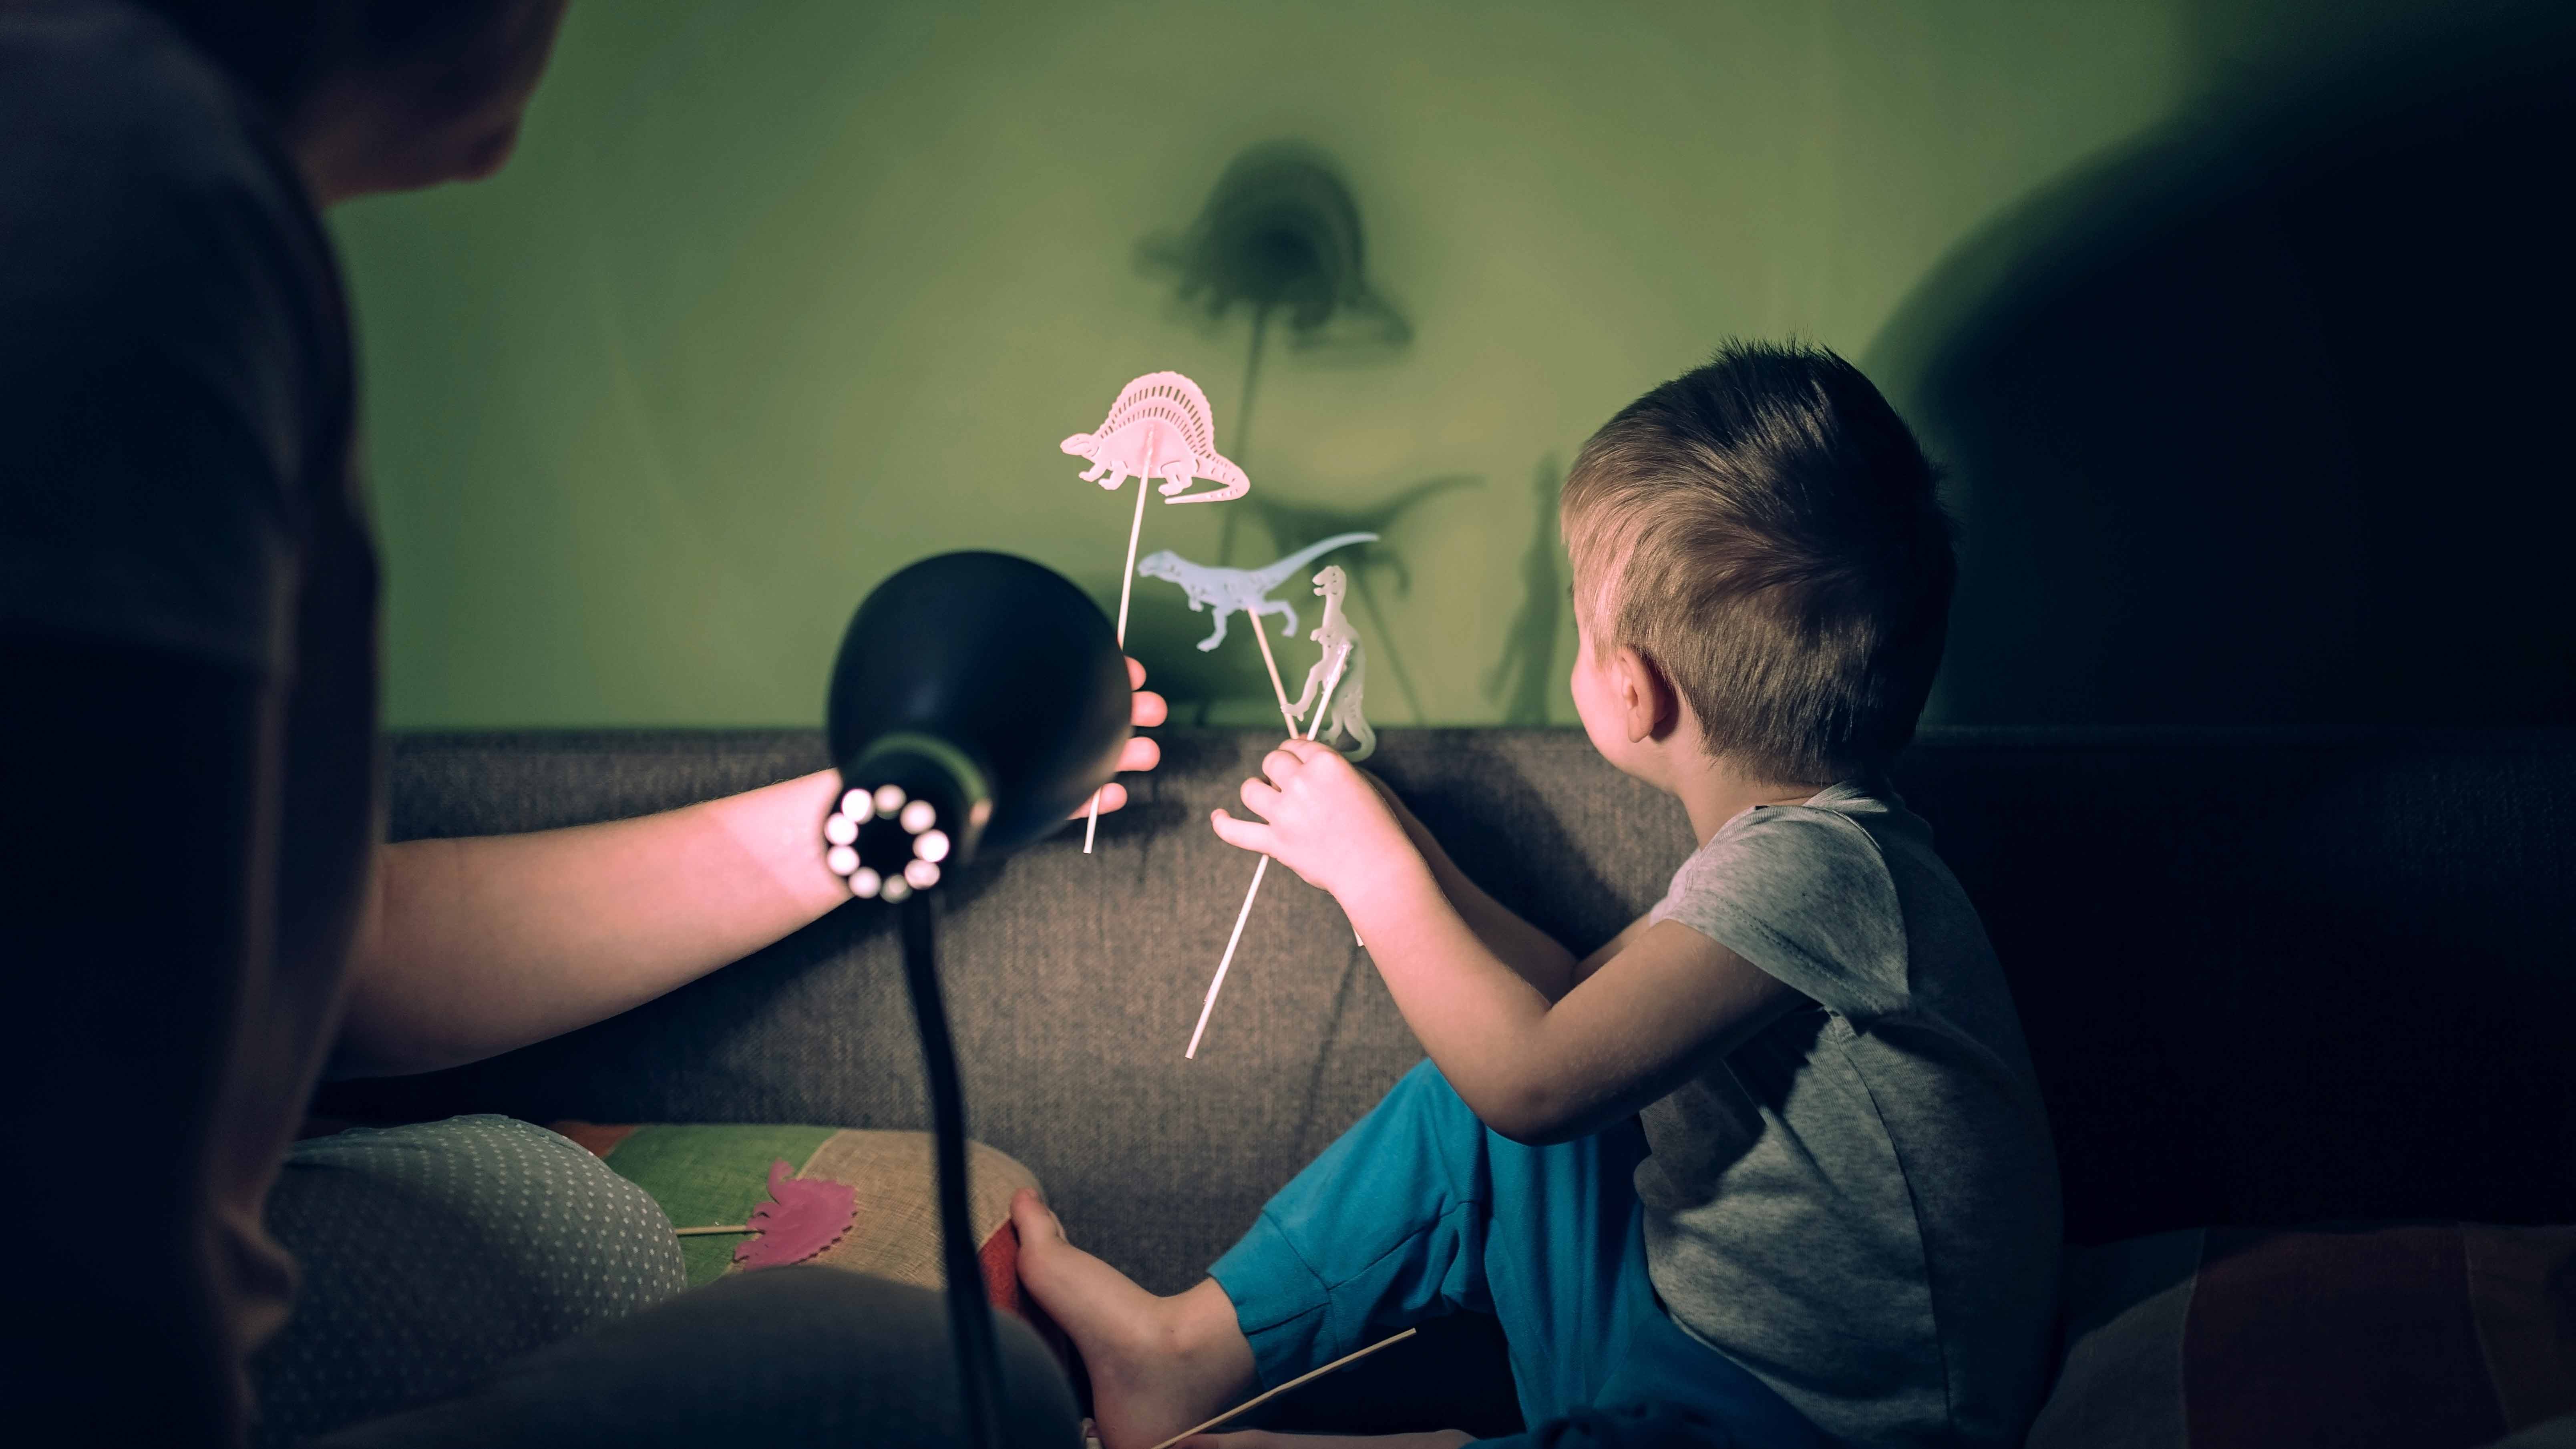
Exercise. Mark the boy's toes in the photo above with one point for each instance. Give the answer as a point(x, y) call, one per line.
point(1033, 1219)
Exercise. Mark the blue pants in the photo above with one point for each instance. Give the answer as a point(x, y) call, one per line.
point(1419, 1211)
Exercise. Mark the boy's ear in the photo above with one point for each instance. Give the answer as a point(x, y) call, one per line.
point(1652, 708)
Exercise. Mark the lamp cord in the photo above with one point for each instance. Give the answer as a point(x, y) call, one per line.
point(970, 1313)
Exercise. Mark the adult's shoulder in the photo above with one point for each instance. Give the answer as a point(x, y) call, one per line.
point(174, 377)
point(152, 222)
point(118, 86)
point(131, 169)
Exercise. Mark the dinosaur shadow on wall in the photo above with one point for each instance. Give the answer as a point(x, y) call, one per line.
point(1198, 681)
point(1280, 237)
point(1526, 681)
point(1296, 522)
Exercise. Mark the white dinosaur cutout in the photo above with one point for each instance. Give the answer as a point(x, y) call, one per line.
point(1334, 632)
point(1226, 590)
point(1159, 427)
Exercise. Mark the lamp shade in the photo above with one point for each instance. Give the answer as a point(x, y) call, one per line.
point(978, 696)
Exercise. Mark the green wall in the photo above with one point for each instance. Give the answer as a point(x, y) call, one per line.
point(779, 296)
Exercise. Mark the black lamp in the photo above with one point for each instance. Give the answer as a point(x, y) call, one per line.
point(977, 701)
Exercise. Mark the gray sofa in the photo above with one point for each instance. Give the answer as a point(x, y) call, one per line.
point(2267, 978)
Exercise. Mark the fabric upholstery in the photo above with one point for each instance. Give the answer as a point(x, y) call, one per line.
point(2266, 978)
point(702, 1174)
point(2408, 1336)
point(710, 1174)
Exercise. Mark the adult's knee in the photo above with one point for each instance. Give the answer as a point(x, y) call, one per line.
point(430, 1254)
point(791, 1356)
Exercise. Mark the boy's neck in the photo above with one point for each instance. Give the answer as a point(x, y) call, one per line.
point(1714, 791)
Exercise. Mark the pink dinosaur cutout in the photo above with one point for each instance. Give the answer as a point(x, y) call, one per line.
point(1159, 427)
point(803, 1217)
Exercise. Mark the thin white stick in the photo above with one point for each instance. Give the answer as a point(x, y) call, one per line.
point(1209, 1006)
point(1324, 706)
point(699, 1232)
point(1127, 580)
point(1126, 588)
point(1248, 1405)
point(1271, 662)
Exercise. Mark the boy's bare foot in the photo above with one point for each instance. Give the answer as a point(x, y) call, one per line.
point(1158, 1365)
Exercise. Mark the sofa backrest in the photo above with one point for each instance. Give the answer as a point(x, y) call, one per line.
point(2266, 979)
point(2283, 979)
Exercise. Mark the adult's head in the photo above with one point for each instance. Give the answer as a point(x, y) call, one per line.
point(382, 95)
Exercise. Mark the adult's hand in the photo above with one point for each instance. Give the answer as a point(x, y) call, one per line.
point(1141, 753)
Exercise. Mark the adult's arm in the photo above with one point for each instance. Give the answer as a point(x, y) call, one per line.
point(472, 947)
point(136, 853)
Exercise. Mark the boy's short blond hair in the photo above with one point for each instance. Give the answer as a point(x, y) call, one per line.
point(1767, 532)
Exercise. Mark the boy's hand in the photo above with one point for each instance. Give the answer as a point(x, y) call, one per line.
point(1326, 820)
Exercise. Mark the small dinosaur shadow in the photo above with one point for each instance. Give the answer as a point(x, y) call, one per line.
point(1294, 524)
point(1524, 681)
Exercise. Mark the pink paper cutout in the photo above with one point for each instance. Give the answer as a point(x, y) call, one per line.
point(804, 1216)
point(1159, 427)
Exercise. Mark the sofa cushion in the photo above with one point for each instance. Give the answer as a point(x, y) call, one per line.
point(707, 1175)
point(2220, 945)
point(2412, 1336)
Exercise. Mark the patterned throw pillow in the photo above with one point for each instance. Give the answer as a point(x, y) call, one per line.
point(2411, 1336)
point(709, 1174)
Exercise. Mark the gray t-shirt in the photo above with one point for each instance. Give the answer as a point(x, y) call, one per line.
point(1860, 1204)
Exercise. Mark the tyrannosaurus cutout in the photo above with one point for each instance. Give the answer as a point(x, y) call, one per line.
point(1335, 634)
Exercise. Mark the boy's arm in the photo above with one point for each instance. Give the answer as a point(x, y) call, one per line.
point(1541, 961)
point(1652, 1012)
point(1648, 1018)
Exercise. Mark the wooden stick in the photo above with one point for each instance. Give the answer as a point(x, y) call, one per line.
point(1248, 1405)
point(1209, 1006)
point(1271, 662)
point(701, 1232)
point(1126, 588)
point(1127, 580)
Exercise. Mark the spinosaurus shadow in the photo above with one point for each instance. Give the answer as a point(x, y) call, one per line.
point(1280, 237)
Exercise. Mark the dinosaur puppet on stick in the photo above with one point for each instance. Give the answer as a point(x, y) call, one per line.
point(1227, 590)
point(1160, 427)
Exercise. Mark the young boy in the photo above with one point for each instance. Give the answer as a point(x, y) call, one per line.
point(1843, 1224)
